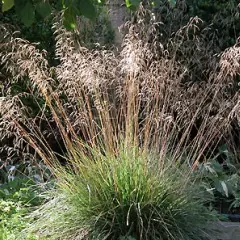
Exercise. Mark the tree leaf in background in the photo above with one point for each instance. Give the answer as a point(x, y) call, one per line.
point(69, 18)
point(27, 14)
point(132, 4)
point(7, 4)
point(85, 8)
point(19, 5)
point(43, 8)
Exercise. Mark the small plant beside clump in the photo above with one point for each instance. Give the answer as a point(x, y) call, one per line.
point(221, 180)
point(118, 196)
point(17, 198)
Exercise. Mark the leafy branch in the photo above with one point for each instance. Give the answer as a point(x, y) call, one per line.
point(27, 9)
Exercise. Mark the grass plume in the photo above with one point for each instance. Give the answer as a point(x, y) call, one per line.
point(132, 126)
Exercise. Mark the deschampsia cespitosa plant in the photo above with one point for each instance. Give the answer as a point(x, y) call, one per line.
point(176, 96)
point(130, 194)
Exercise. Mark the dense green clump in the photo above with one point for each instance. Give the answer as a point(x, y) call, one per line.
point(125, 196)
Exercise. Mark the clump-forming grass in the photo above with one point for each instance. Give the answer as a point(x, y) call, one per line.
point(130, 194)
point(145, 98)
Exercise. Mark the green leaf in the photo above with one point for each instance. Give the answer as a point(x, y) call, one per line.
point(69, 18)
point(7, 4)
point(27, 14)
point(19, 5)
point(132, 4)
point(85, 8)
point(26, 11)
point(59, 5)
point(221, 187)
point(225, 188)
point(43, 9)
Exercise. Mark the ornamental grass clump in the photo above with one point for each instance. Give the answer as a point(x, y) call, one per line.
point(132, 127)
point(128, 195)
